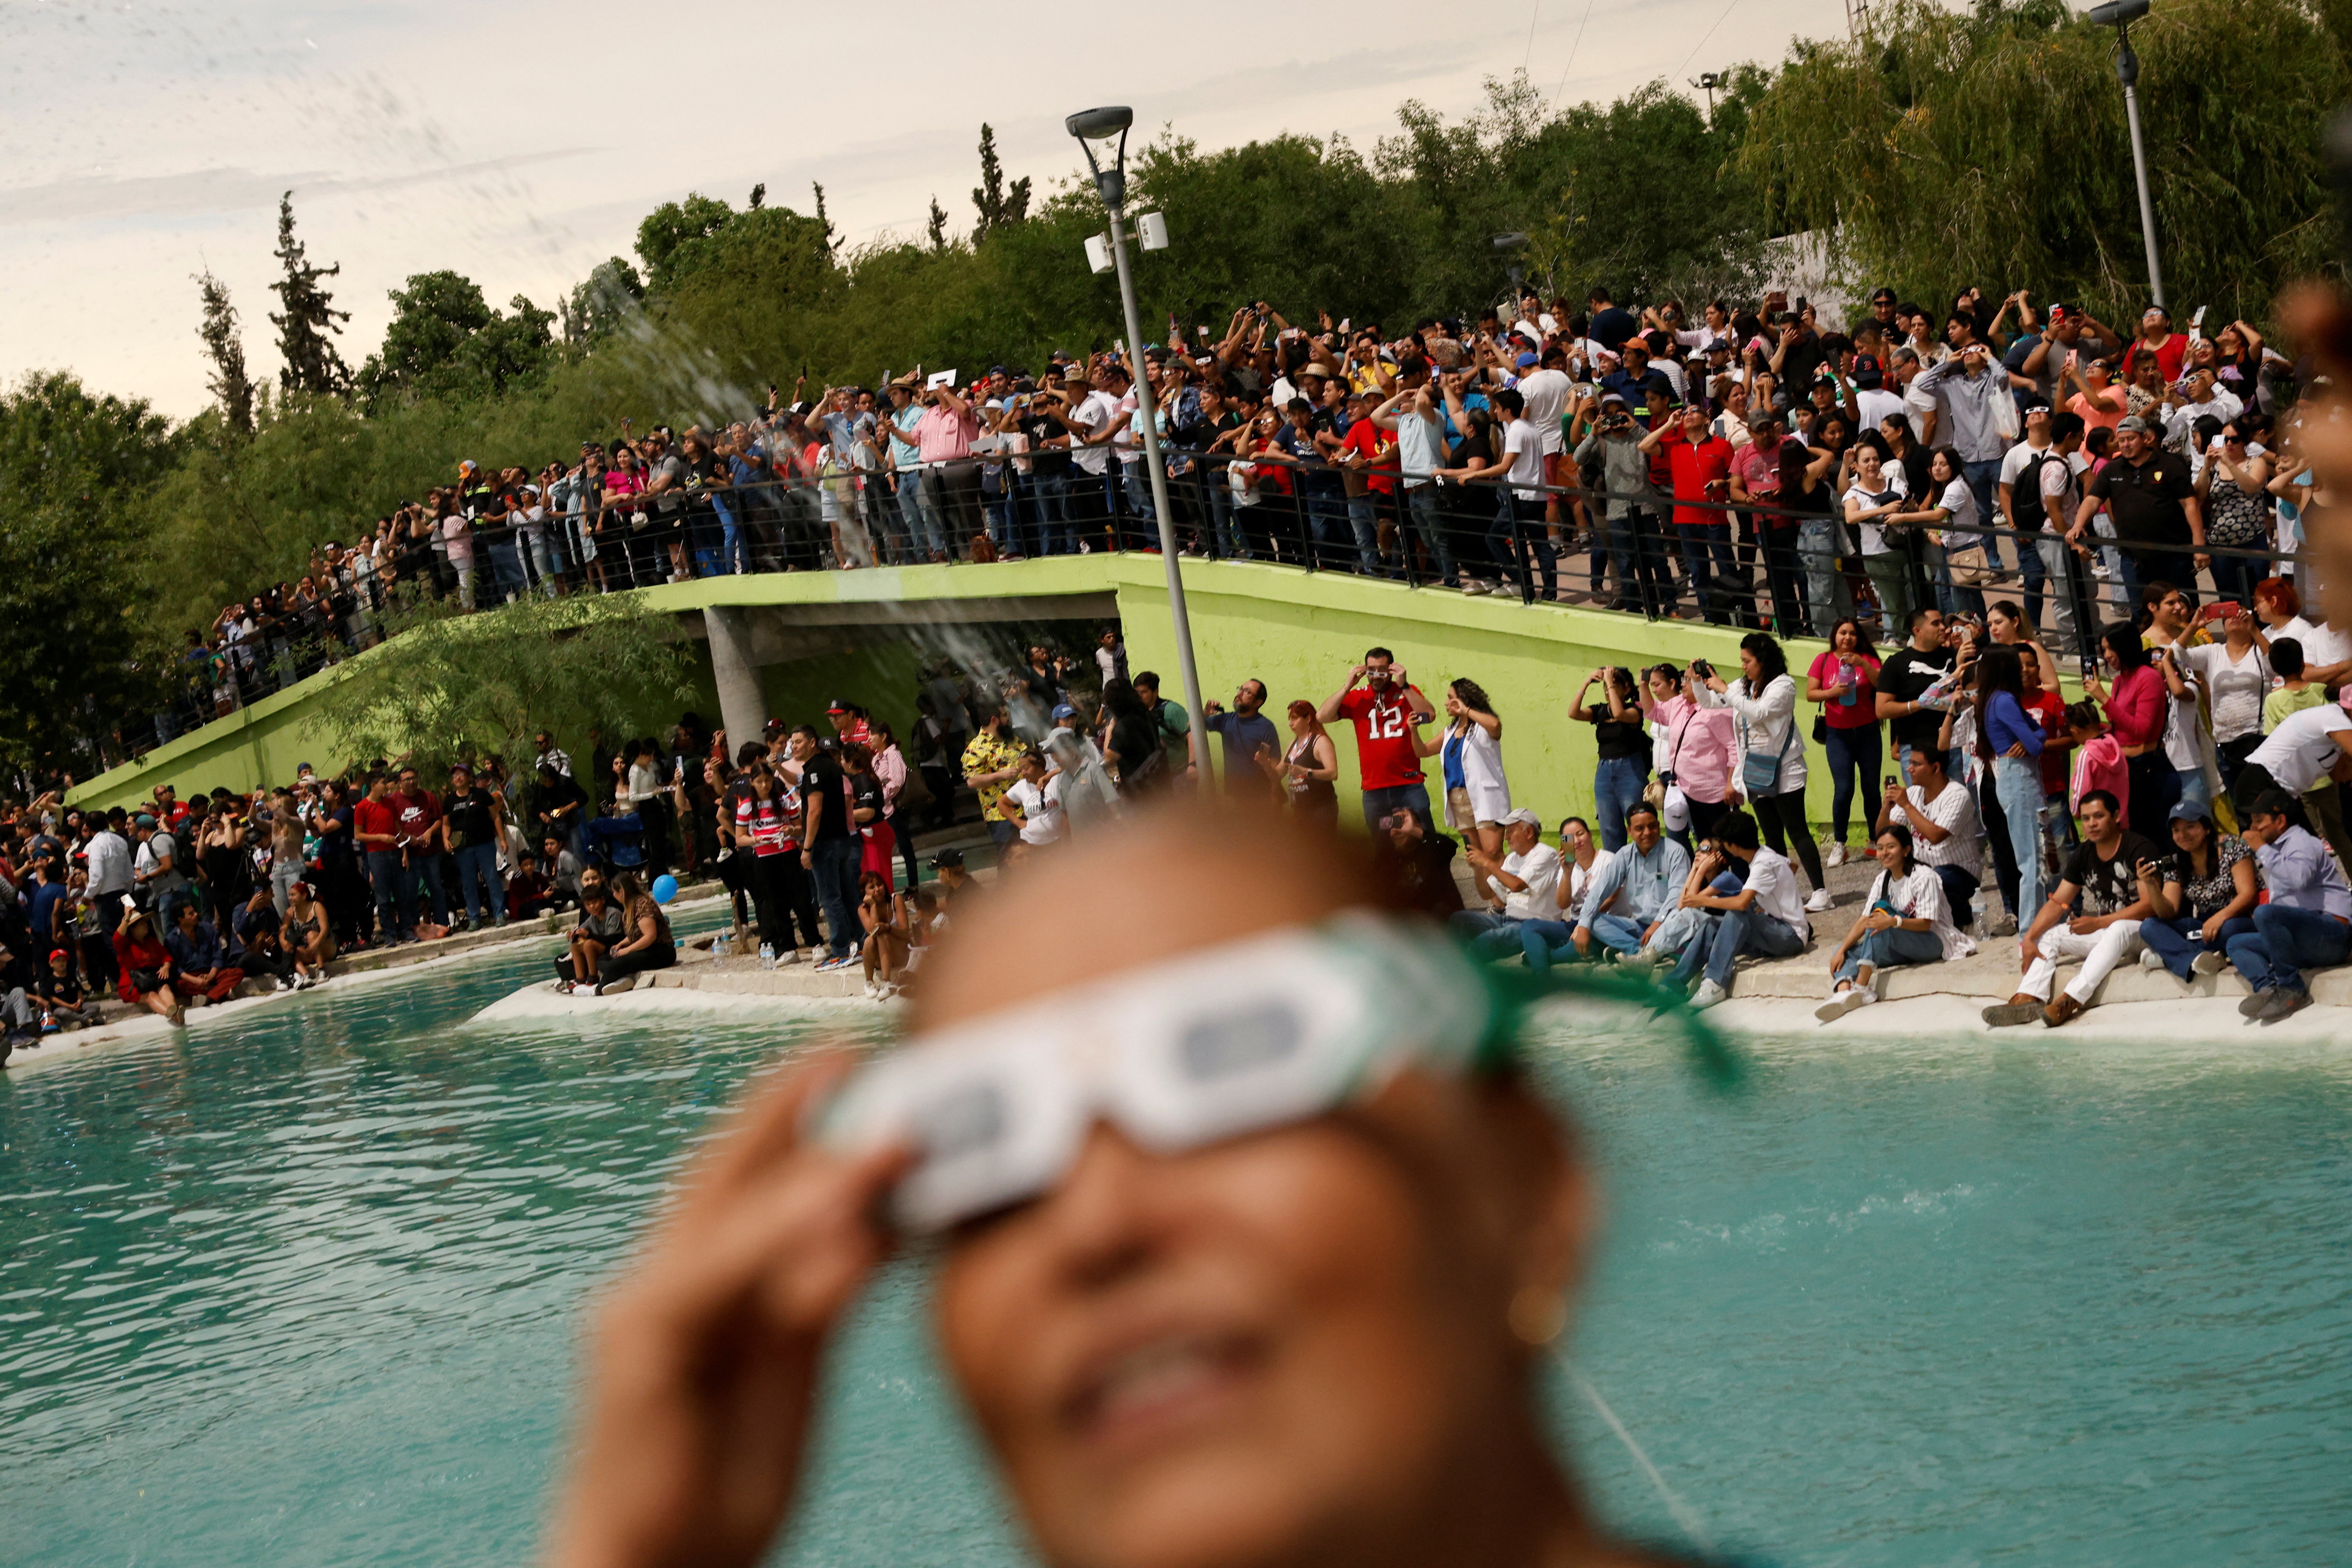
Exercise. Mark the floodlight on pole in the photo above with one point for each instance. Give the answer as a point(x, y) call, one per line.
point(2120, 14)
point(1089, 126)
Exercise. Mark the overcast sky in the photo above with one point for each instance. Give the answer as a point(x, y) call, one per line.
point(518, 142)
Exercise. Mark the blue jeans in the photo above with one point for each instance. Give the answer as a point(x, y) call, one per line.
point(2284, 942)
point(832, 863)
point(1616, 932)
point(1707, 555)
point(2017, 785)
point(1491, 935)
point(926, 529)
point(1883, 949)
point(1547, 943)
point(2179, 941)
point(1854, 754)
point(424, 878)
point(1737, 931)
point(390, 881)
point(1049, 499)
point(480, 860)
point(1617, 789)
point(1429, 527)
point(1364, 522)
point(1828, 599)
point(1327, 512)
point(1535, 560)
point(1378, 802)
point(734, 545)
point(1982, 478)
point(506, 565)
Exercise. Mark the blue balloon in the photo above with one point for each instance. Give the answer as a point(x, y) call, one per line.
point(665, 887)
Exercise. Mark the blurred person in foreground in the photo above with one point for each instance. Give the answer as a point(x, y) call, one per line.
point(1315, 1336)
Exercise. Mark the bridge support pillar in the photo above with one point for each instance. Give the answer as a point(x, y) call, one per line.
point(741, 709)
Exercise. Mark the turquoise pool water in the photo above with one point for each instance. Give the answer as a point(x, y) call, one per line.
point(303, 1293)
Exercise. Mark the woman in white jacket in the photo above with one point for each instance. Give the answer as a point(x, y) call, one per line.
point(1769, 761)
point(1477, 795)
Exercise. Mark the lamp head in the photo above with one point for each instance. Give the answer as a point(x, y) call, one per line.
point(1092, 124)
point(2115, 13)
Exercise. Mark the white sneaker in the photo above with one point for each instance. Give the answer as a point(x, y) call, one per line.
point(1707, 994)
point(2150, 959)
point(873, 992)
point(1841, 1003)
point(784, 960)
point(1820, 902)
point(2207, 963)
point(1833, 855)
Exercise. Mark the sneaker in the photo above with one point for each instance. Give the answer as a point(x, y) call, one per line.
point(2150, 959)
point(2286, 1003)
point(1474, 589)
point(2004, 926)
point(786, 959)
point(873, 992)
point(1844, 1002)
point(565, 987)
point(1707, 995)
point(2207, 963)
point(1819, 902)
point(835, 965)
point(2255, 1006)
point(2019, 1009)
point(1833, 855)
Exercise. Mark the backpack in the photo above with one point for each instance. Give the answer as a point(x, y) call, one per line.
point(2025, 491)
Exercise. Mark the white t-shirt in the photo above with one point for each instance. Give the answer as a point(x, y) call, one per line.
point(1539, 869)
point(1875, 405)
point(2013, 461)
point(1960, 529)
point(1920, 897)
point(1128, 434)
point(1892, 484)
point(1523, 456)
point(2305, 746)
point(2323, 644)
point(1041, 809)
point(1580, 880)
point(2236, 689)
point(1097, 410)
point(1774, 882)
point(1546, 392)
point(1953, 811)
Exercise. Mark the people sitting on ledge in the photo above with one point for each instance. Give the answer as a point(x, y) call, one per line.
point(2307, 924)
point(1636, 890)
point(1905, 920)
point(1765, 917)
point(2109, 885)
point(2207, 898)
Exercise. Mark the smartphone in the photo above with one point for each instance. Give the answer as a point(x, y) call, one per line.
point(2226, 610)
point(1885, 784)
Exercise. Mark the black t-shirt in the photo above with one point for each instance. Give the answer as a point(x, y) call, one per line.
point(2110, 885)
point(1611, 326)
point(2146, 499)
point(1617, 739)
point(821, 779)
point(1044, 460)
point(59, 990)
point(1902, 678)
point(866, 793)
point(699, 473)
point(335, 848)
point(470, 818)
point(1136, 739)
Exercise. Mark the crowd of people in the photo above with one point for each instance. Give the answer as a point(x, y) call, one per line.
point(1755, 464)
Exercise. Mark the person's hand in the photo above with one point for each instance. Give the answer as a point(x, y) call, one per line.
point(1355, 674)
point(2016, 750)
point(1877, 920)
point(2026, 954)
point(808, 861)
point(1211, 705)
point(705, 1362)
point(2210, 930)
point(2204, 562)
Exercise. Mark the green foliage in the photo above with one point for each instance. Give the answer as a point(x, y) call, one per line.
point(231, 388)
point(1000, 206)
point(1989, 147)
point(446, 341)
point(674, 226)
point(76, 472)
point(444, 687)
point(308, 329)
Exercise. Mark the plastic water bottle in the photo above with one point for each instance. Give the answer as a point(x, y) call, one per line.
point(767, 955)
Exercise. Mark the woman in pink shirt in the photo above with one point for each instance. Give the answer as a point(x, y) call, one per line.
point(2137, 707)
point(1690, 749)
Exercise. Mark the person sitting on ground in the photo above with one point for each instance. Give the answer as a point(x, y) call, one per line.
point(2207, 898)
point(645, 942)
point(1766, 916)
point(886, 941)
point(527, 890)
point(1905, 920)
point(200, 971)
point(1946, 831)
point(309, 935)
point(591, 937)
point(1417, 865)
point(1517, 888)
point(70, 1005)
point(617, 839)
point(262, 948)
point(2109, 885)
point(143, 968)
point(562, 873)
point(1635, 891)
point(1547, 942)
point(2307, 924)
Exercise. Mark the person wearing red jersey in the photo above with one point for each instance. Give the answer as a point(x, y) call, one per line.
point(767, 823)
point(1384, 711)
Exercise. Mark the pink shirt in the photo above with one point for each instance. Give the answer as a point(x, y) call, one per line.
point(942, 434)
point(1696, 747)
point(2137, 706)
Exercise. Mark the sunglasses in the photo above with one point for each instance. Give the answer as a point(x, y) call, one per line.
point(1254, 1034)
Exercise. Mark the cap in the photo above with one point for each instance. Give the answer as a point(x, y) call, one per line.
point(1719, 346)
point(948, 858)
point(2136, 424)
point(56, 953)
point(773, 726)
point(1066, 711)
point(1521, 814)
point(1527, 361)
point(1609, 397)
point(1674, 815)
point(837, 705)
point(142, 820)
point(2187, 810)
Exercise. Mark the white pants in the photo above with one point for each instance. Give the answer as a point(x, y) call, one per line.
point(2100, 952)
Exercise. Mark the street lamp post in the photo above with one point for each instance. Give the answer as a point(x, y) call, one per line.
point(2120, 14)
point(1090, 125)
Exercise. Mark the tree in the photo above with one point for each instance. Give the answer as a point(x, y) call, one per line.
point(600, 304)
point(831, 235)
point(444, 338)
point(306, 332)
point(999, 208)
point(231, 388)
point(443, 685)
point(673, 225)
point(759, 196)
point(936, 230)
point(77, 473)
